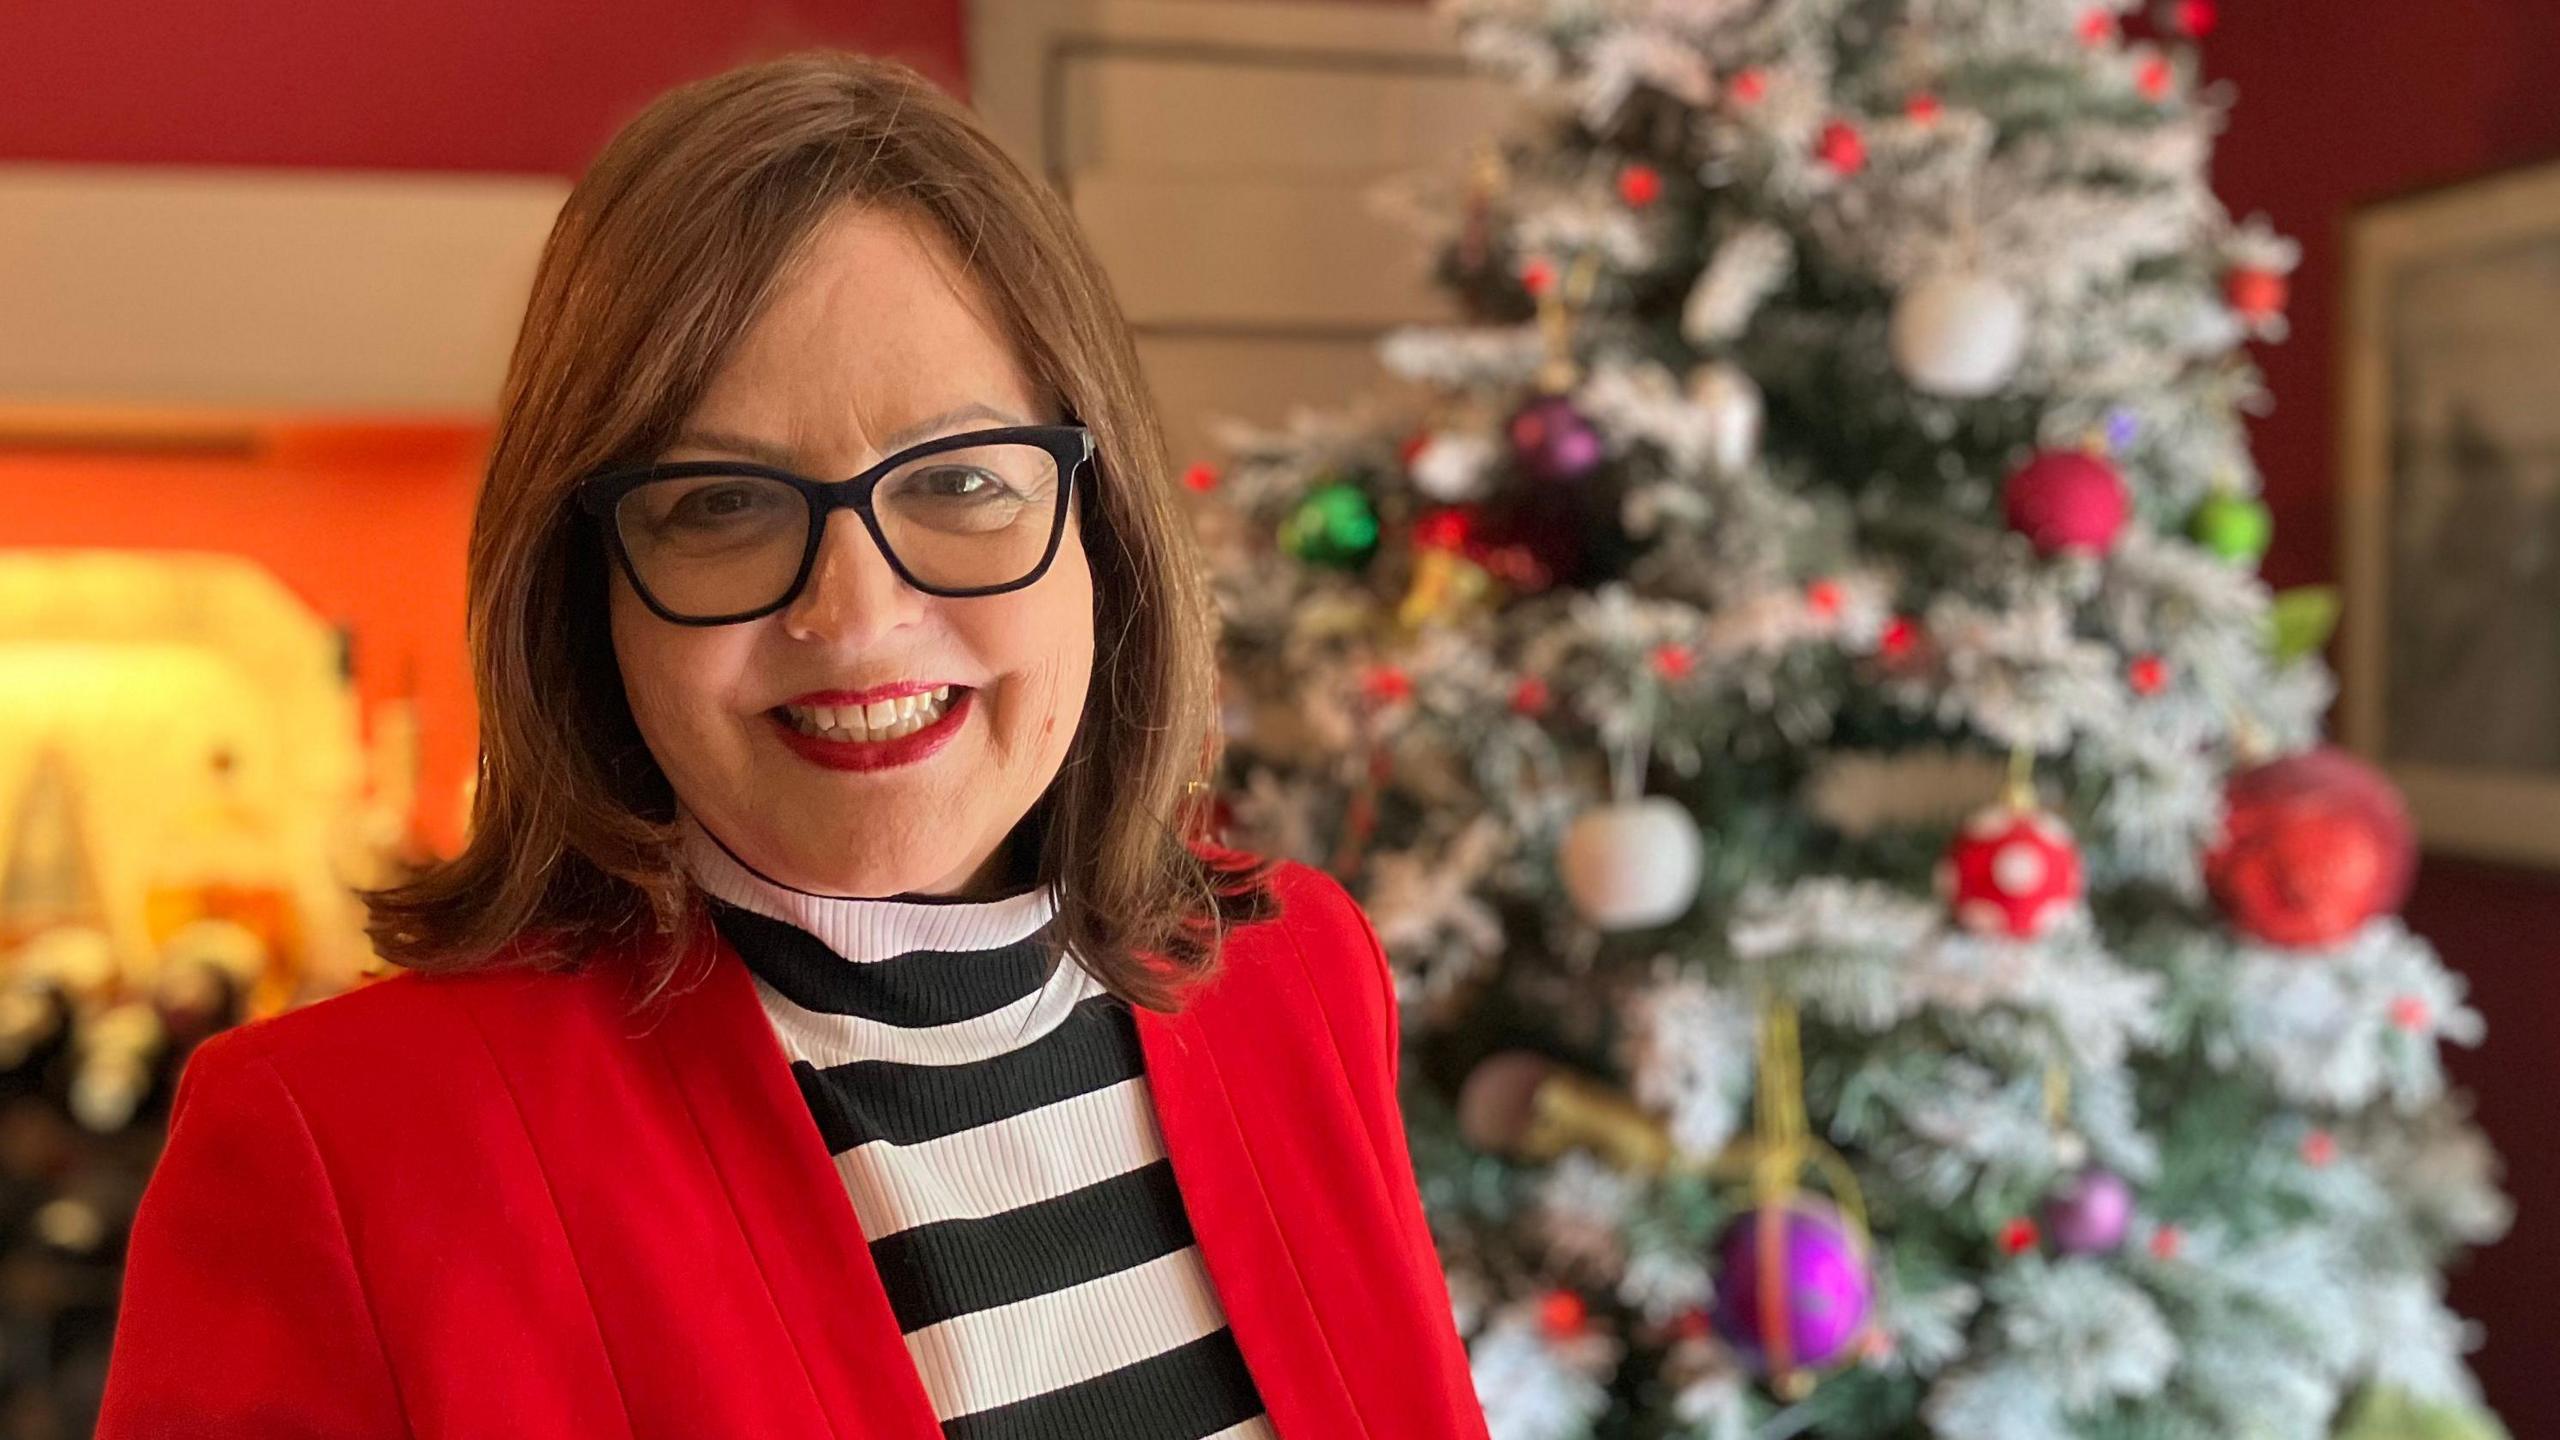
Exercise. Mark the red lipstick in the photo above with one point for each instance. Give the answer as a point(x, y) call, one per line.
point(873, 754)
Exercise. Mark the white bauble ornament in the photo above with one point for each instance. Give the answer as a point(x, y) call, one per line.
point(1633, 865)
point(1454, 465)
point(1959, 334)
point(1729, 403)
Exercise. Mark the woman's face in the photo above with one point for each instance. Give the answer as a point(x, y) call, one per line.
point(878, 341)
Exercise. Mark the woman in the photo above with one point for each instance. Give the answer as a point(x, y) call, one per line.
point(827, 1030)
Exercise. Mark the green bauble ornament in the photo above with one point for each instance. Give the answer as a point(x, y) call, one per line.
point(1335, 525)
point(2382, 1413)
point(2235, 527)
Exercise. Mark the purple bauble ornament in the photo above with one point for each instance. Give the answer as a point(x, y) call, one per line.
point(2090, 1213)
point(1826, 1292)
point(2068, 500)
point(1554, 442)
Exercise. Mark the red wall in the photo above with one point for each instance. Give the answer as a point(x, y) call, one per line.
point(505, 85)
point(2341, 104)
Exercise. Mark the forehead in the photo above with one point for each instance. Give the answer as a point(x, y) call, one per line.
point(875, 325)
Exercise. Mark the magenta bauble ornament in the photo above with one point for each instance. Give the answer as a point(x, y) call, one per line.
point(1554, 442)
point(1803, 1267)
point(2090, 1214)
point(2068, 500)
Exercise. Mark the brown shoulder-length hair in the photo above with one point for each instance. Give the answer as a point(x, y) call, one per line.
point(665, 252)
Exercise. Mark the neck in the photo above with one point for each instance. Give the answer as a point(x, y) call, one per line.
point(864, 927)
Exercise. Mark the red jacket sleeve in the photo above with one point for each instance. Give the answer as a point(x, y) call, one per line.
point(243, 1312)
point(1447, 1350)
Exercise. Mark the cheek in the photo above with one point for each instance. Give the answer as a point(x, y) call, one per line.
point(675, 680)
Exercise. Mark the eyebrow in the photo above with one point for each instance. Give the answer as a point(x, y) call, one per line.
point(768, 453)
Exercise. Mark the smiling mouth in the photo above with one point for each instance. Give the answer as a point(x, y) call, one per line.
point(880, 721)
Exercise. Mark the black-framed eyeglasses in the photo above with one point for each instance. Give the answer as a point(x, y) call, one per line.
point(717, 542)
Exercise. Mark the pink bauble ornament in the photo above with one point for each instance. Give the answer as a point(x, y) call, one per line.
point(2068, 500)
point(2011, 871)
point(2090, 1214)
point(2313, 846)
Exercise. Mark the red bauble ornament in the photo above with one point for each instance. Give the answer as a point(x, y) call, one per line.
point(2257, 294)
point(1451, 527)
point(2068, 500)
point(2198, 17)
point(2313, 846)
point(1639, 185)
point(1842, 147)
point(2011, 871)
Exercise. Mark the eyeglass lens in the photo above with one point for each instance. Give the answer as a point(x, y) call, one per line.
point(711, 545)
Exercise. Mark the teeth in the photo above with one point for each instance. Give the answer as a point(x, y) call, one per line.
point(880, 720)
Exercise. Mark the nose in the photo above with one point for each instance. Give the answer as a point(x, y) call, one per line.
point(853, 596)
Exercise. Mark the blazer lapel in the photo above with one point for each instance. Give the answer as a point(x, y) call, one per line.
point(1238, 1226)
point(790, 1201)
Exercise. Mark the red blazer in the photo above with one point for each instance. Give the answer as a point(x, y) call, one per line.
point(497, 1205)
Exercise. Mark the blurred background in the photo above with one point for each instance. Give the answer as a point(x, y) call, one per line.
point(260, 268)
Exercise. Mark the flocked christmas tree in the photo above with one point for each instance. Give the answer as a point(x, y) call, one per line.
point(1884, 952)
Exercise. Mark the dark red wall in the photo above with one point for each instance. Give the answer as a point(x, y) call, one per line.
point(507, 85)
point(2341, 104)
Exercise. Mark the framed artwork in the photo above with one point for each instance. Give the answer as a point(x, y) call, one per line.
point(2450, 409)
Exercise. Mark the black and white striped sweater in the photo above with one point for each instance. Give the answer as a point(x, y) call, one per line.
point(990, 1117)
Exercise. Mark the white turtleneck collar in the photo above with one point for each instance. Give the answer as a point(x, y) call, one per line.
point(862, 927)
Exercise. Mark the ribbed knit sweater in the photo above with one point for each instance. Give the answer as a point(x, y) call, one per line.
point(986, 1104)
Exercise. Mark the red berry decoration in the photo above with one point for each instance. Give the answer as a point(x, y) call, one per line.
point(2410, 1015)
point(2019, 1236)
point(1561, 1313)
point(2156, 77)
point(1900, 637)
point(1639, 185)
point(2313, 846)
point(1537, 276)
point(2257, 293)
point(1452, 527)
point(2097, 27)
point(2011, 871)
point(1750, 87)
point(1842, 147)
point(1823, 598)
point(1386, 684)
point(1924, 108)
point(1673, 662)
point(2068, 500)
point(1530, 696)
point(2167, 1241)
point(2147, 674)
point(2319, 1149)
point(2198, 17)
point(1202, 478)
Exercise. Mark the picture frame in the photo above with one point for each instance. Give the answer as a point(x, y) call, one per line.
point(2449, 415)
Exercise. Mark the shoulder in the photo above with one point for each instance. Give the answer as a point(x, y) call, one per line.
point(1320, 947)
point(397, 1036)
